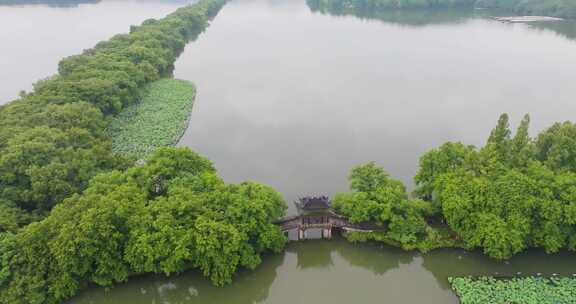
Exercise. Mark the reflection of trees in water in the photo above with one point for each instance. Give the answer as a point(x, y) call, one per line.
point(313, 253)
point(50, 3)
point(424, 16)
point(407, 17)
point(441, 263)
point(445, 263)
point(374, 257)
point(248, 287)
point(566, 29)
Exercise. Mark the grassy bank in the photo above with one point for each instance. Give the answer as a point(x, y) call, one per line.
point(530, 290)
point(158, 120)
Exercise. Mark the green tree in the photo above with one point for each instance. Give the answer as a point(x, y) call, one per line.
point(556, 146)
point(521, 145)
point(449, 157)
point(376, 197)
point(168, 215)
point(500, 138)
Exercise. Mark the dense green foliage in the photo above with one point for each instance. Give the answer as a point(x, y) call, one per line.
point(514, 193)
point(557, 8)
point(52, 140)
point(171, 214)
point(158, 120)
point(377, 198)
point(531, 290)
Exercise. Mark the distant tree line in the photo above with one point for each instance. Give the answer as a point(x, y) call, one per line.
point(557, 8)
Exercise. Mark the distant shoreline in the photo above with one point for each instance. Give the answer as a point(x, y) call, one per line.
point(525, 19)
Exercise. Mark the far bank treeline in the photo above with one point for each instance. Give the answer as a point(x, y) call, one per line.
point(556, 8)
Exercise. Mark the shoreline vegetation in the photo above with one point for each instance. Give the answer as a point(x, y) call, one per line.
point(525, 290)
point(158, 120)
point(512, 194)
point(552, 8)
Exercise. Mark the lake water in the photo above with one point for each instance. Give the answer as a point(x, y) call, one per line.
point(332, 272)
point(294, 96)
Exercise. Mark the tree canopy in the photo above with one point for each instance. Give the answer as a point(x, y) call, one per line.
point(169, 215)
point(514, 193)
point(376, 197)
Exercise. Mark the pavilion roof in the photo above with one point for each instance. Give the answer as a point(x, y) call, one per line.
point(313, 203)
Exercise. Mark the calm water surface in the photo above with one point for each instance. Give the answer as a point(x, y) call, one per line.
point(294, 96)
point(332, 272)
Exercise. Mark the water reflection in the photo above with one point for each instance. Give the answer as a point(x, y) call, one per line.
point(320, 257)
point(566, 29)
point(446, 262)
point(248, 287)
point(426, 17)
point(319, 254)
point(410, 17)
point(49, 3)
point(375, 257)
point(334, 271)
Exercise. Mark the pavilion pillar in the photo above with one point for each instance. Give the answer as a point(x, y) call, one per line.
point(327, 233)
point(301, 234)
